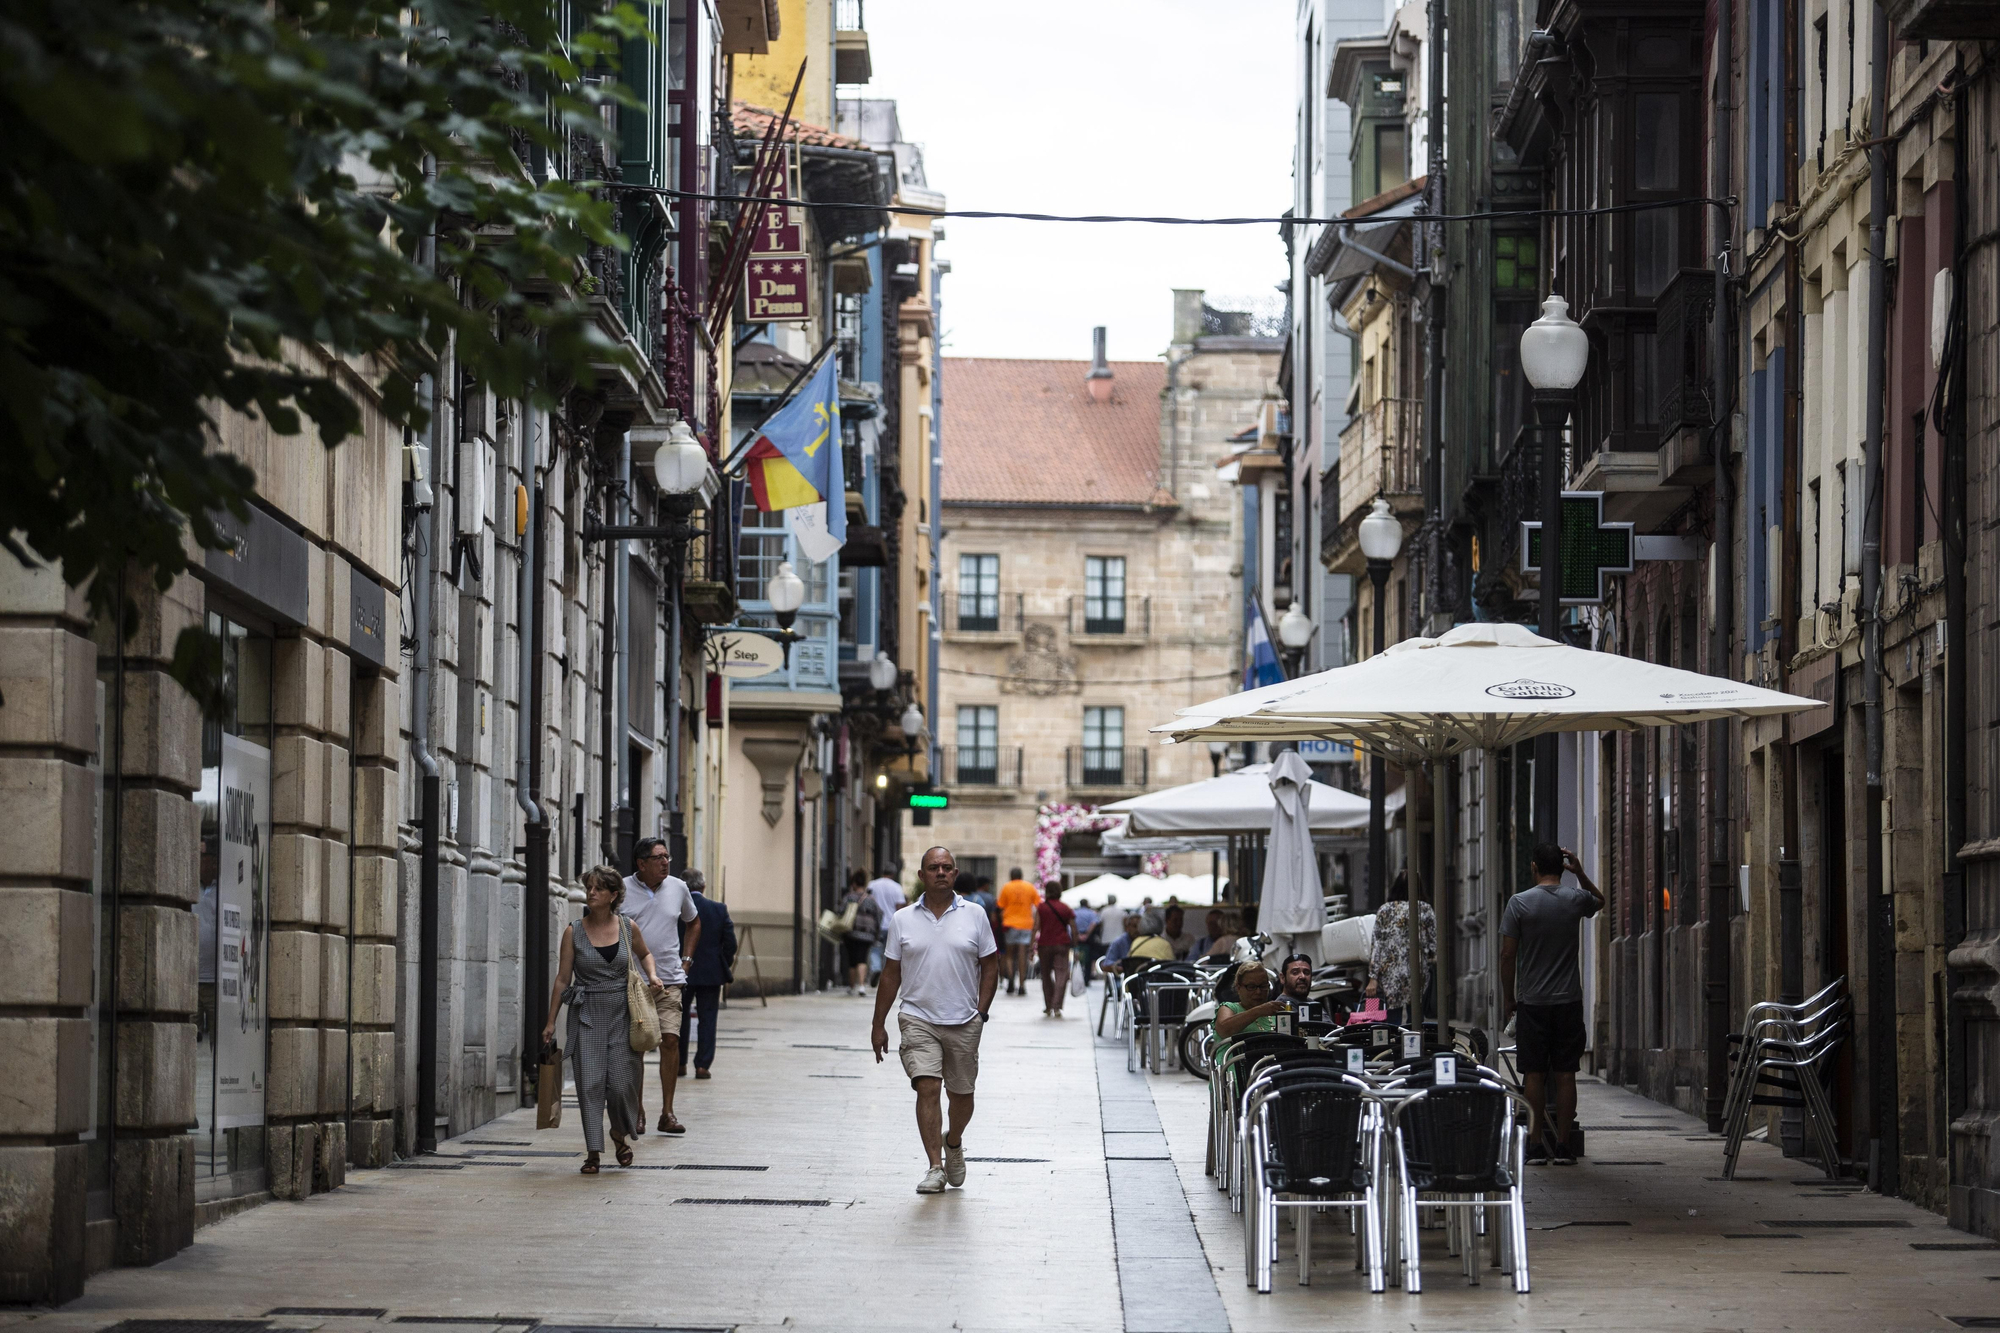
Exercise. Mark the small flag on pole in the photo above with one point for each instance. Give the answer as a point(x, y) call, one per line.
point(1260, 659)
point(794, 459)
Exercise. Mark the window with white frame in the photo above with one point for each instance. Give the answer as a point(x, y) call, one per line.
point(1104, 594)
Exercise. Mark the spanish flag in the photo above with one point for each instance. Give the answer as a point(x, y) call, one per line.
point(794, 459)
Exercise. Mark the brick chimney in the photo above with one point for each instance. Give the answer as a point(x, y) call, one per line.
point(1099, 379)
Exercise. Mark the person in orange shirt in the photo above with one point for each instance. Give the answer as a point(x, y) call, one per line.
point(1018, 900)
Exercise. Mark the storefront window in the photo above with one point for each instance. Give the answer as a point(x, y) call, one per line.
point(232, 917)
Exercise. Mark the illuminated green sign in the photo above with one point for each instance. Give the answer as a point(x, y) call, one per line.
point(929, 800)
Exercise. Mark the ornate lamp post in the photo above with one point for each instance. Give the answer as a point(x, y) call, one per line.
point(1295, 631)
point(1554, 353)
point(1381, 538)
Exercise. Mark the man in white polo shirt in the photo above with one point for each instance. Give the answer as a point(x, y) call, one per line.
point(939, 954)
point(661, 905)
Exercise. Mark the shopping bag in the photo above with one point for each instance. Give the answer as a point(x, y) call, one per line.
point(830, 926)
point(643, 1034)
point(1077, 977)
point(549, 1089)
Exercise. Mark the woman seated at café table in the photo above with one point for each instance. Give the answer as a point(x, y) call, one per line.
point(1254, 1010)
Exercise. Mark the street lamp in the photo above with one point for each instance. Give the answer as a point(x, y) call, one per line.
point(787, 593)
point(912, 722)
point(1381, 538)
point(681, 467)
point(1295, 629)
point(882, 672)
point(1554, 353)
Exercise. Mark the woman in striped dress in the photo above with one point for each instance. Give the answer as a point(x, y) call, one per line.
point(597, 950)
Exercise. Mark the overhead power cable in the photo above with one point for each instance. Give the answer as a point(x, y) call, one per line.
point(1491, 215)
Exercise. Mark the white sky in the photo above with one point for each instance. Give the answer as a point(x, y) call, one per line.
point(1092, 106)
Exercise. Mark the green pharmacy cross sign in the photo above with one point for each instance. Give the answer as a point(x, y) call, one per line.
point(1590, 548)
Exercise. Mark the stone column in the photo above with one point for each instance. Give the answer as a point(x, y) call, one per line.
point(47, 738)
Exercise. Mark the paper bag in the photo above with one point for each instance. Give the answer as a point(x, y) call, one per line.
point(549, 1089)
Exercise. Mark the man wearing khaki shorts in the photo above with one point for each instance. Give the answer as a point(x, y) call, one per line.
point(662, 906)
point(939, 954)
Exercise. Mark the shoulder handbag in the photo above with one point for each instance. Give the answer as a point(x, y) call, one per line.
point(645, 1019)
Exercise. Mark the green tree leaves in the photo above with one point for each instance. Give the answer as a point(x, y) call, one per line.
point(207, 204)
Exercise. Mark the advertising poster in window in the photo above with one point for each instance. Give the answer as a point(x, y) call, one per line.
point(242, 933)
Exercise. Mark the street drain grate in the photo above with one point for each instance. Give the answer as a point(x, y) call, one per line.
point(1006, 1159)
point(511, 1321)
point(1598, 1161)
point(1814, 1272)
point(1822, 1182)
point(1762, 1235)
point(715, 1166)
point(1737, 1180)
point(1560, 1225)
point(1648, 1117)
point(1955, 1246)
point(331, 1311)
point(765, 1203)
point(190, 1326)
point(532, 1152)
point(1839, 1223)
point(427, 1166)
point(498, 1143)
point(625, 1328)
point(1630, 1129)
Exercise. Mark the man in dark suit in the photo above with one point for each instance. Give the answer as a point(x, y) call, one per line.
point(710, 969)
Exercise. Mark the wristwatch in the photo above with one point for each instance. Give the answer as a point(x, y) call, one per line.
point(985, 1017)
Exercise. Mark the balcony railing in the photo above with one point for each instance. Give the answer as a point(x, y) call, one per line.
point(1110, 616)
point(1381, 453)
point(1105, 766)
point(1686, 306)
point(850, 16)
point(982, 765)
point(983, 613)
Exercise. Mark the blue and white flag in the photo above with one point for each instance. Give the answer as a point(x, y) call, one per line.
point(1260, 659)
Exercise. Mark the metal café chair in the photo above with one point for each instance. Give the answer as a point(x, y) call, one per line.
point(1315, 1144)
point(1146, 1014)
point(1798, 1073)
point(1226, 1102)
point(1456, 1146)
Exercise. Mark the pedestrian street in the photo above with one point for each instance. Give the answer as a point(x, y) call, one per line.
point(790, 1204)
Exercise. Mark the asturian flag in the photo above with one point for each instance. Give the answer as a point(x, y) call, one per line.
point(794, 459)
point(1260, 659)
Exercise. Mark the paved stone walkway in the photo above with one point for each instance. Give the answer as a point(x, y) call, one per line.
point(1106, 1221)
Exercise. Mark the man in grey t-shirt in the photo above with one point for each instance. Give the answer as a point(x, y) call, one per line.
point(1542, 990)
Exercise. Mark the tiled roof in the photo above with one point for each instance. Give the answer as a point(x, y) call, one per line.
point(1395, 194)
point(753, 122)
point(1027, 432)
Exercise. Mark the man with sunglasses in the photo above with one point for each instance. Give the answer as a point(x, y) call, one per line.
point(662, 906)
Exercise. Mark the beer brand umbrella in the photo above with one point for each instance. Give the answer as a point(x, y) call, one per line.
point(1478, 686)
point(1235, 803)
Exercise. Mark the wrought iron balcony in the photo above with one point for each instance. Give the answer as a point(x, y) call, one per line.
point(1105, 766)
point(1686, 309)
point(982, 613)
point(1381, 453)
point(982, 765)
point(1107, 617)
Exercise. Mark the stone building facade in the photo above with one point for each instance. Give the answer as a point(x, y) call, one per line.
point(1092, 582)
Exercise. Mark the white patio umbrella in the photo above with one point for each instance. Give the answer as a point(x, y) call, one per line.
point(1477, 687)
point(1235, 803)
point(1290, 900)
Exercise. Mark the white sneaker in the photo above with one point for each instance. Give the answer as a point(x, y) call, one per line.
point(954, 1165)
point(933, 1181)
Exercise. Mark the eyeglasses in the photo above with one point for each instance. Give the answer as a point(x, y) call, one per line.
point(656, 856)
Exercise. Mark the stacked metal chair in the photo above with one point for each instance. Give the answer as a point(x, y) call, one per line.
point(1226, 1084)
point(1313, 1142)
point(1784, 1057)
point(1456, 1147)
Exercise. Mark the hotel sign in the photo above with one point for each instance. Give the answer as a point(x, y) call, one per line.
point(778, 286)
